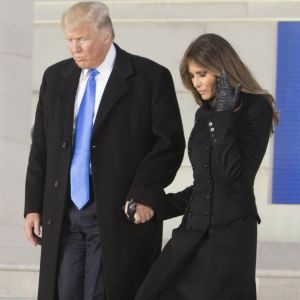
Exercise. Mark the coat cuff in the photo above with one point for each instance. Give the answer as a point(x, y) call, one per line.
point(150, 197)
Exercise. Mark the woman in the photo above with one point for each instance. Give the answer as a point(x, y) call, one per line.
point(212, 255)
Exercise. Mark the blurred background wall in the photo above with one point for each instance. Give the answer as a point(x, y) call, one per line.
point(16, 40)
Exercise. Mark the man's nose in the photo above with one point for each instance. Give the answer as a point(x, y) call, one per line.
point(75, 47)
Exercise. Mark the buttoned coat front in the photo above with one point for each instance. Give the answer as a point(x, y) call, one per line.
point(212, 254)
point(136, 148)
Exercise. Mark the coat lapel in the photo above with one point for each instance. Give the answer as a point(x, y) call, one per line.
point(116, 86)
point(67, 93)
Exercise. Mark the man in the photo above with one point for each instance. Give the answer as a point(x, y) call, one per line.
point(107, 130)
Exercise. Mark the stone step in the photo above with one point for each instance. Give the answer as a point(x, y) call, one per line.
point(20, 282)
point(278, 284)
point(278, 268)
point(19, 264)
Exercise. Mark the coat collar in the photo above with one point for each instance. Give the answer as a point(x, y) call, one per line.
point(115, 88)
point(67, 93)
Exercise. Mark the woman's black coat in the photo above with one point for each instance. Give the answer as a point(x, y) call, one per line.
point(136, 148)
point(226, 149)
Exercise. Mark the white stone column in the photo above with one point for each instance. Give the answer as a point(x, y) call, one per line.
point(16, 17)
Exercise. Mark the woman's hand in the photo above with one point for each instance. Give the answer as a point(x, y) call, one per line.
point(226, 97)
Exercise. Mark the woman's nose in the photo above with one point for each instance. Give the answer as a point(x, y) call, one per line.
point(197, 82)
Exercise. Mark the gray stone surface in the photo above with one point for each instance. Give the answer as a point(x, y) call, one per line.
point(278, 256)
point(15, 250)
point(19, 264)
point(15, 101)
point(278, 268)
point(274, 9)
point(278, 288)
point(15, 121)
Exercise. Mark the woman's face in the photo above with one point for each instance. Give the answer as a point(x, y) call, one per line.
point(204, 81)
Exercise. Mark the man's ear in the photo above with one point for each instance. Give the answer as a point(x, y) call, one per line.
point(107, 36)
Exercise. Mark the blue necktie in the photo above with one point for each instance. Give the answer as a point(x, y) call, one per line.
point(80, 167)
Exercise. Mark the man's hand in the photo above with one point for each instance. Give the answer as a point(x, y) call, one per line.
point(32, 228)
point(142, 214)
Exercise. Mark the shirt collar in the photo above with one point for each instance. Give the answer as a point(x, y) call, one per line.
point(107, 64)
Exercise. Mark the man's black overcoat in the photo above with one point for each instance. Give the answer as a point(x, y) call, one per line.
point(136, 148)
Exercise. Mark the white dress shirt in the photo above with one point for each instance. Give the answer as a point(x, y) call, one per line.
point(101, 80)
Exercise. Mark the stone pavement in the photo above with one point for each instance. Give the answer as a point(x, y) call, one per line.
point(278, 268)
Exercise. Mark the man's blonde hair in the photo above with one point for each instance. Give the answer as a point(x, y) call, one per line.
point(95, 13)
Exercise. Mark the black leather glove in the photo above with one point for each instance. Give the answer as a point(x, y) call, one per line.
point(226, 97)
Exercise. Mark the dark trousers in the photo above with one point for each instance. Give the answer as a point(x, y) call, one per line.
point(80, 275)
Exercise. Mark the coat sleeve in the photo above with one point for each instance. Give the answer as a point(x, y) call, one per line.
point(176, 204)
point(36, 169)
point(241, 150)
point(159, 166)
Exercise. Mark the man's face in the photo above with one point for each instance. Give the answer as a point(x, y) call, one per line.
point(87, 45)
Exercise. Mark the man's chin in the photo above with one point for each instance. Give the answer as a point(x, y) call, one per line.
point(81, 64)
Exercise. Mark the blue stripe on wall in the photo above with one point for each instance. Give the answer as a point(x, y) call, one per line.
point(286, 172)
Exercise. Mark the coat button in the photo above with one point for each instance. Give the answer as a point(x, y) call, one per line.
point(212, 129)
point(56, 183)
point(191, 197)
point(49, 222)
point(64, 145)
point(207, 197)
point(205, 166)
point(94, 146)
point(210, 124)
point(207, 212)
point(215, 140)
point(206, 148)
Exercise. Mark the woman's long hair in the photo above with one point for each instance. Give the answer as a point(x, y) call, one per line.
point(214, 53)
